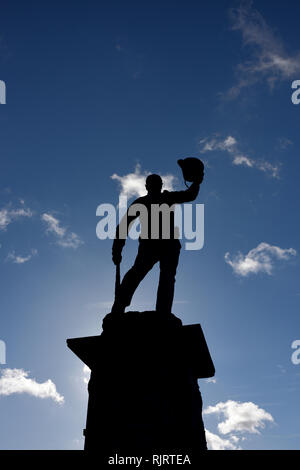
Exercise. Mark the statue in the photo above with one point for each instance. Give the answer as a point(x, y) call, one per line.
point(144, 397)
point(159, 249)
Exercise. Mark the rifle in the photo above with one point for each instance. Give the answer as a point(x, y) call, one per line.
point(118, 280)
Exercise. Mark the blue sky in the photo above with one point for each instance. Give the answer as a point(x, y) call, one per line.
point(94, 89)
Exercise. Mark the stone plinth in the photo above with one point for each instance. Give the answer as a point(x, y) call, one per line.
point(143, 393)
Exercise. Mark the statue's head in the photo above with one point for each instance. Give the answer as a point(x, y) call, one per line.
point(154, 184)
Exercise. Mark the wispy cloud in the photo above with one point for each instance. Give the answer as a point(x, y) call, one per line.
point(53, 225)
point(9, 215)
point(71, 240)
point(268, 60)
point(239, 417)
point(133, 184)
point(259, 259)
point(17, 381)
point(284, 143)
point(18, 259)
point(231, 146)
point(64, 238)
point(131, 60)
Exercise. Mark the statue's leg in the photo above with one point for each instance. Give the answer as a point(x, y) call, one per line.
point(144, 262)
point(169, 256)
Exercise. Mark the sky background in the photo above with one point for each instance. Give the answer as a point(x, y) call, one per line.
point(95, 89)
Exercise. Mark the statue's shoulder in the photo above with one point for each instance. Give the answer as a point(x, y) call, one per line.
point(140, 200)
point(167, 195)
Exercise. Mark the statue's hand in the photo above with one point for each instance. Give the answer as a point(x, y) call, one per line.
point(116, 257)
point(117, 251)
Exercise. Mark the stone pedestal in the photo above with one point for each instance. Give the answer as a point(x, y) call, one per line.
point(143, 393)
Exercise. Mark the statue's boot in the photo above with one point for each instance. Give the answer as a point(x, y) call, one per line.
point(118, 308)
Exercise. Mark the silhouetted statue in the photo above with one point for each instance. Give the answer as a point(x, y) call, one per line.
point(144, 398)
point(165, 247)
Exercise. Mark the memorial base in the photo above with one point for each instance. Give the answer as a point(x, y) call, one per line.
point(144, 398)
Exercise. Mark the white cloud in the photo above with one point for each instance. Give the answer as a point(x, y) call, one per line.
point(133, 184)
point(17, 381)
point(259, 259)
point(268, 59)
point(230, 146)
point(71, 240)
point(243, 160)
point(86, 374)
point(7, 215)
point(212, 380)
point(240, 417)
point(18, 259)
point(267, 167)
point(65, 239)
point(53, 225)
point(215, 442)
